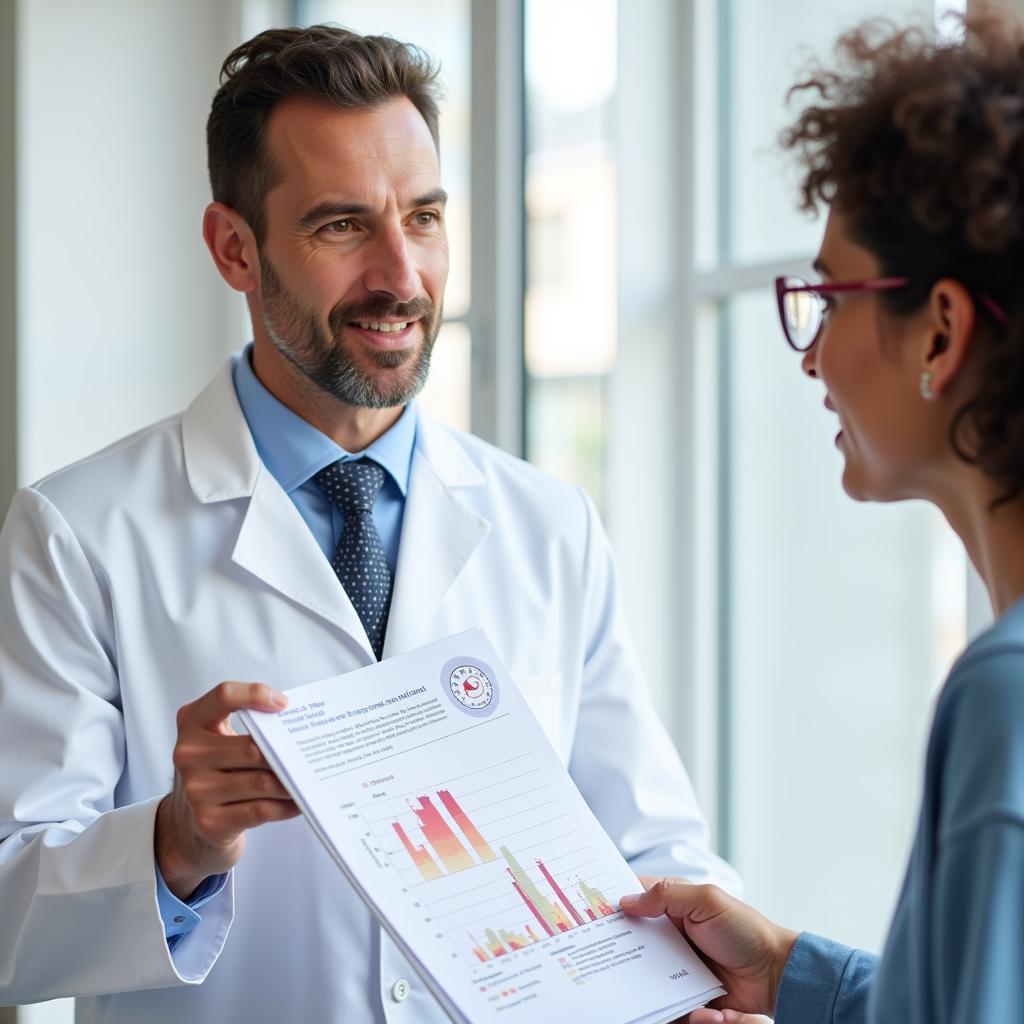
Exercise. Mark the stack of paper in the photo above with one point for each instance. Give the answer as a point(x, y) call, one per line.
point(436, 791)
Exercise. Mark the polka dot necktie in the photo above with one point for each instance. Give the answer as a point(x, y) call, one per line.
point(359, 561)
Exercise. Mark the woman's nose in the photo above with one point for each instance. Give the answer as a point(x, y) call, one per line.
point(809, 360)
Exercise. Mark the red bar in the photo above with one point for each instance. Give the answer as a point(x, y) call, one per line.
point(423, 861)
point(526, 899)
point(558, 892)
point(446, 845)
point(469, 830)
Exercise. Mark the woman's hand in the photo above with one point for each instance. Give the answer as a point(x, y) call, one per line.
point(725, 1017)
point(746, 950)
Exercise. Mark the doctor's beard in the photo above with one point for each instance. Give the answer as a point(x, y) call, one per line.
point(324, 360)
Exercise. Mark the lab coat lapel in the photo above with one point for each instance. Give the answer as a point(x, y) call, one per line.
point(276, 546)
point(440, 533)
point(273, 542)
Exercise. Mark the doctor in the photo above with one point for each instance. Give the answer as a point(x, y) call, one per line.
point(301, 519)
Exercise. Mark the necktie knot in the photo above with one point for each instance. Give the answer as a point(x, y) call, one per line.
point(351, 486)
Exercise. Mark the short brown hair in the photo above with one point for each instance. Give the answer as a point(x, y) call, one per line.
point(919, 141)
point(342, 67)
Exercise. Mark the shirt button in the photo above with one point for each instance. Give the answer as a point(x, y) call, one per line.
point(179, 919)
point(400, 990)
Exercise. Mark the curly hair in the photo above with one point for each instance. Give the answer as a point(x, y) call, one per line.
point(350, 70)
point(920, 142)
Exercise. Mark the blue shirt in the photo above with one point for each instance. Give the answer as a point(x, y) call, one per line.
point(180, 918)
point(955, 950)
point(294, 451)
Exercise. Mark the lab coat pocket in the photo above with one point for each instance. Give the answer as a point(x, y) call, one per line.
point(543, 694)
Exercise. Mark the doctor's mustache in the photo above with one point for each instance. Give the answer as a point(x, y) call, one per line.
point(379, 308)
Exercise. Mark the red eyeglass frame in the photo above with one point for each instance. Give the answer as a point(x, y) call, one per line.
point(868, 284)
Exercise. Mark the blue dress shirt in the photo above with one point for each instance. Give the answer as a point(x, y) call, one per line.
point(955, 951)
point(295, 451)
point(180, 918)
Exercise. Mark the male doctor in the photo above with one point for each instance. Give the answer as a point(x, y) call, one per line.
point(302, 518)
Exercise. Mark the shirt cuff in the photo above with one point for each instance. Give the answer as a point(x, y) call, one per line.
point(824, 983)
point(180, 918)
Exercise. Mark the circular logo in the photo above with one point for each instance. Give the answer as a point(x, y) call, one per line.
point(471, 686)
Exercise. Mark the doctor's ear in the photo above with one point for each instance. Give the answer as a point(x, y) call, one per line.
point(232, 246)
point(951, 322)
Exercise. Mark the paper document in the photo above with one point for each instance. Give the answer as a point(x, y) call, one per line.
point(435, 789)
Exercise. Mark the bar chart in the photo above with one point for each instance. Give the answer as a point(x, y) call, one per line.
point(491, 858)
point(441, 837)
point(472, 847)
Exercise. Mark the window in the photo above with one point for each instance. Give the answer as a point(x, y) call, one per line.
point(571, 310)
point(835, 621)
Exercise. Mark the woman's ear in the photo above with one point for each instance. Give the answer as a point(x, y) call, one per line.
point(950, 330)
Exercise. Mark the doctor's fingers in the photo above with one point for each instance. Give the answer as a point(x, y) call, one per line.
point(205, 789)
point(199, 749)
point(214, 707)
point(225, 822)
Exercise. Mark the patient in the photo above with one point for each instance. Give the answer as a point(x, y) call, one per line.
point(917, 336)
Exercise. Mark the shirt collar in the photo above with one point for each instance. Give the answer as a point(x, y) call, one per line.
point(294, 450)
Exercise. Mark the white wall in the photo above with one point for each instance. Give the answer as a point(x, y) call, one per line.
point(8, 255)
point(122, 316)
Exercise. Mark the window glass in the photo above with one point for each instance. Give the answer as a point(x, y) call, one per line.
point(447, 387)
point(570, 311)
point(842, 620)
point(768, 46)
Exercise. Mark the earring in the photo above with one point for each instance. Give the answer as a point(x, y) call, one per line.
point(926, 386)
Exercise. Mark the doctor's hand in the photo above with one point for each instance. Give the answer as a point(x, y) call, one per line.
point(222, 786)
point(746, 950)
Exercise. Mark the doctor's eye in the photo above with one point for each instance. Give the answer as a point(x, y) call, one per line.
point(339, 227)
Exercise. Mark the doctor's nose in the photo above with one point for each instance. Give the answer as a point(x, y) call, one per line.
point(391, 270)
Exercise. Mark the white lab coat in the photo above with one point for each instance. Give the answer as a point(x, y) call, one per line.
point(137, 579)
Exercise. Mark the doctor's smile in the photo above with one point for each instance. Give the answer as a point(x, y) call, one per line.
point(384, 333)
point(386, 327)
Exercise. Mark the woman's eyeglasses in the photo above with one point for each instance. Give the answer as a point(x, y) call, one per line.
point(802, 306)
